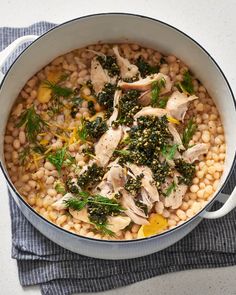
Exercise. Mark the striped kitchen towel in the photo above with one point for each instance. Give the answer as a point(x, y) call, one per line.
point(61, 272)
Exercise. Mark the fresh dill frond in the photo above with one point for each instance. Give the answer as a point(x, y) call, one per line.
point(155, 92)
point(186, 85)
point(33, 123)
point(170, 189)
point(24, 155)
point(189, 132)
point(57, 158)
point(57, 89)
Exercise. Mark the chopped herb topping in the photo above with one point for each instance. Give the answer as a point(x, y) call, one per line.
point(71, 186)
point(145, 68)
point(76, 104)
point(189, 132)
point(187, 171)
point(91, 108)
point(146, 140)
point(92, 130)
point(106, 96)
point(33, 123)
point(128, 107)
point(109, 63)
point(187, 84)
point(96, 128)
point(91, 176)
point(133, 185)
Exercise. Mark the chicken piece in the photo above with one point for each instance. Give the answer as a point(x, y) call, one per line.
point(117, 223)
point(115, 113)
point(116, 176)
point(135, 218)
point(145, 98)
point(176, 137)
point(127, 70)
point(145, 199)
point(80, 215)
point(104, 188)
point(174, 199)
point(60, 204)
point(99, 76)
point(150, 111)
point(107, 144)
point(147, 180)
point(192, 154)
point(134, 212)
point(177, 104)
point(146, 83)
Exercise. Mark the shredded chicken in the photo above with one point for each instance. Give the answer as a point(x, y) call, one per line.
point(107, 144)
point(104, 188)
point(177, 104)
point(146, 83)
point(150, 111)
point(60, 204)
point(117, 223)
point(116, 176)
point(115, 113)
point(176, 137)
point(146, 199)
point(145, 98)
point(174, 200)
point(127, 70)
point(99, 76)
point(192, 154)
point(147, 180)
point(134, 212)
point(113, 181)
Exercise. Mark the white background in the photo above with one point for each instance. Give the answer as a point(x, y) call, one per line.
point(213, 24)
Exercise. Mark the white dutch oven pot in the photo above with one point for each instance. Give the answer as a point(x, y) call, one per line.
point(118, 27)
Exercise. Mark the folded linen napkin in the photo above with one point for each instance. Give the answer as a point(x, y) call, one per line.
point(59, 271)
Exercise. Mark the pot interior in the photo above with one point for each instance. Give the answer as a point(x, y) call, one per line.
point(108, 28)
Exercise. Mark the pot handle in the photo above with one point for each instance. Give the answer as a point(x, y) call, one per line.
point(5, 53)
point(229, 205)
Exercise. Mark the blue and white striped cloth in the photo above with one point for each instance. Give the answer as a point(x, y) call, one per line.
point(61, 272)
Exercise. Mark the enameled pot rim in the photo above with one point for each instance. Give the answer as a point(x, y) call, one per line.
point(123, 242)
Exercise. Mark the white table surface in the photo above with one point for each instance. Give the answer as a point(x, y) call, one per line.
point(213, 24)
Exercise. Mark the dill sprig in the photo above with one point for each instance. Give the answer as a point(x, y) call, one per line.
point(24, 155)
point(169, 151)
point(82, 131)
point(189, 132)
point(186, 85)
point(170, 189)
point(33, 123)
point(57, 89)
point(59, 158)
point(156, 89)
point(58, 92)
